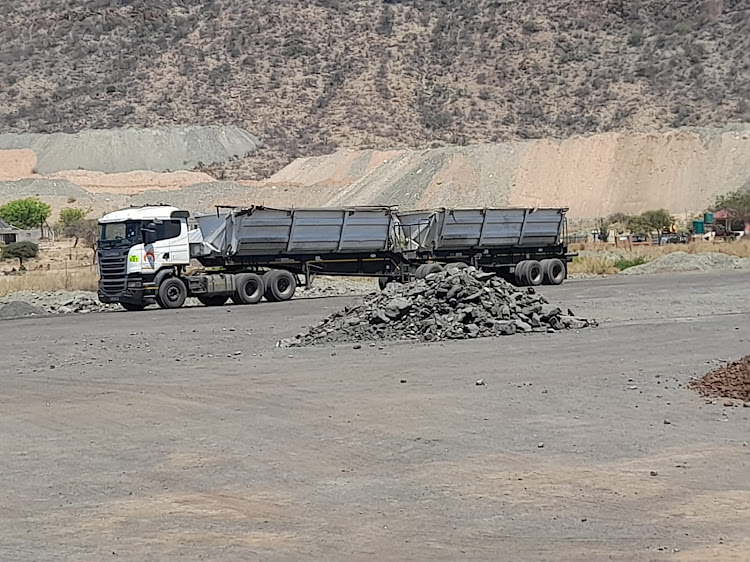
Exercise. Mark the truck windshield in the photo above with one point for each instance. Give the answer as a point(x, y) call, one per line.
point(120, 234)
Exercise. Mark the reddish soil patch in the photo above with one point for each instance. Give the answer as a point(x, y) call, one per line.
point(732, 381)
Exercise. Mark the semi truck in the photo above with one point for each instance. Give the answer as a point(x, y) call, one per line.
point(162, 255)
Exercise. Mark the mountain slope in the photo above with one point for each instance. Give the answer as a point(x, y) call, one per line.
point(309, 76)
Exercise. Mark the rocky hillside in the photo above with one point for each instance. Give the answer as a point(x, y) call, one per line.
point(310, 76)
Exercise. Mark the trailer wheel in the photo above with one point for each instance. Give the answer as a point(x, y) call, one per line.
point(212, 300)
point(130, 307)
point(554, 271)
point(426, 269)
point(280, 285)
point(172, 293)
point(533, 273)
point(520, 273)
point(250, 289)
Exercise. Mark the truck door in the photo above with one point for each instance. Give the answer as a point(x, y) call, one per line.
point(170, 246)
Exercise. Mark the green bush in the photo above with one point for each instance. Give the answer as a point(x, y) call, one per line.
point(20, 251)
point(636, 38)
point(624, 263)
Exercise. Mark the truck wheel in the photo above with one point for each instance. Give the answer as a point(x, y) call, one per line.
point(172, 293)
point(130, 307)
point(212, 300)
point(554, 271)
point(250, 288)
point(280, 285)
point(520, 273)
point(533, 273)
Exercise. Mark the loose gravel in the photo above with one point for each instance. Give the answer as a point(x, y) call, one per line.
point(57, 302)
point(682, 261)
point(19, 309)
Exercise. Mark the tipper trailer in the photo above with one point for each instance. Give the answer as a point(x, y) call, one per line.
point(245, 254)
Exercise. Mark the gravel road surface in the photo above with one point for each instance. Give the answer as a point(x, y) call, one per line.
point(187, 435)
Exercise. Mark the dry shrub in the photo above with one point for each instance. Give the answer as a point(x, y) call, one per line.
point(592, 265)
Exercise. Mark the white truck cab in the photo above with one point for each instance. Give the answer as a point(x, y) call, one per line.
point(136, 247)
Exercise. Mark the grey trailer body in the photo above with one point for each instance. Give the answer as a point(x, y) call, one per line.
point(468, 230)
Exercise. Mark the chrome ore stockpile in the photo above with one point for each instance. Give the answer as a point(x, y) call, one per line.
point(452, 304)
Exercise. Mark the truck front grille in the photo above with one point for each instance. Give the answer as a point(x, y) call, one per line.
point(113, 266)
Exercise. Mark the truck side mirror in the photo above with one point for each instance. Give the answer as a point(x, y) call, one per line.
point(149, 233)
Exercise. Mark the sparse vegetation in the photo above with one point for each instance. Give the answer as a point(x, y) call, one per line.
point(625, 263)
point(396, 73)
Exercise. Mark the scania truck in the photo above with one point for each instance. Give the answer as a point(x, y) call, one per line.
point(161, 255)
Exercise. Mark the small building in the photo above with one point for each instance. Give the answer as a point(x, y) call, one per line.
point(10, 234)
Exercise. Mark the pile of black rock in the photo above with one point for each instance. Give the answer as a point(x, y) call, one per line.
point(456, 303)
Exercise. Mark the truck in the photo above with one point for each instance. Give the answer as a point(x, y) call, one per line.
point(162, 255)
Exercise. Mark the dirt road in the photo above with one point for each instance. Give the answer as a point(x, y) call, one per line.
point(185, 434)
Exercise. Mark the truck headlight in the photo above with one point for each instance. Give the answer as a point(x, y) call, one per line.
point(135, 284)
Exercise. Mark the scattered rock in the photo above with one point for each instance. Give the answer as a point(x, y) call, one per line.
point(58, 302)
point(481, 382)
point(452, 304)
point(540, 445)
point(654, 473)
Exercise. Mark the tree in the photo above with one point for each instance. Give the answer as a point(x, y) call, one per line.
point(621, 218)
point(604, 230)
point(70, 215)
point(639, 225)
point(658, 220)
point(20, 251)
point(83, 229)
point(737, 203)
point(25, 213)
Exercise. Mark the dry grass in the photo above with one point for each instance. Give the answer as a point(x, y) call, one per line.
point(59, 267)
point(592, 265)
point(79, 279)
